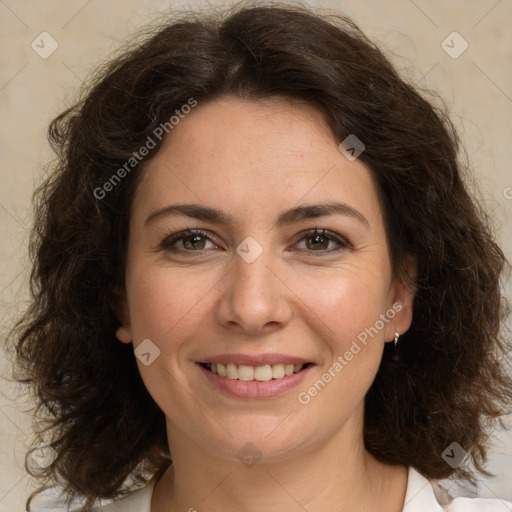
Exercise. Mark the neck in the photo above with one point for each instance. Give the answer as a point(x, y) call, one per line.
point(338, 475)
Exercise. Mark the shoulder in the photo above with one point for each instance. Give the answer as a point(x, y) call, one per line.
point(138, 501)
point(424, 495)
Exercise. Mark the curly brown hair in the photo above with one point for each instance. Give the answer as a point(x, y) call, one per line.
point(449, 384)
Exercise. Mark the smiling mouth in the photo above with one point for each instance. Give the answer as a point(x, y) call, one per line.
point(246, 373)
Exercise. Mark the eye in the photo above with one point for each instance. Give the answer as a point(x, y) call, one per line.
point(191, 240)
point(196, 241)
point(319, 241)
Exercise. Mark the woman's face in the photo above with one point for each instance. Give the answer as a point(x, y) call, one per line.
point(256, 285)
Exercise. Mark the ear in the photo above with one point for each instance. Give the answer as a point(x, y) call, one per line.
point(402, 300)
point(119, 304)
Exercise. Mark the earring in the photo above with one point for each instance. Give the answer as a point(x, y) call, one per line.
point(396, 338)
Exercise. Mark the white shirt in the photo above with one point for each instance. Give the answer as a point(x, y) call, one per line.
point(422, 495)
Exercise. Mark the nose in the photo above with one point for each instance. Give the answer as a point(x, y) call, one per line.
point(255, 298)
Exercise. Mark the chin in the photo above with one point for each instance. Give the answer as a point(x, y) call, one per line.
point(267, 440)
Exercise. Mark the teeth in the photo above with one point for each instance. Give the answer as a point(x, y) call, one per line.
point(244, 372)
point(221, 369)
point(263, 373)
point(278, 371)
point(231, 371)
point(248, 373)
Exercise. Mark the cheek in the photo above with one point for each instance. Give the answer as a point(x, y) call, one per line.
point(164, 303)
point(345, 310)
point(344, 304)
point(167, 307)
point(346, 318)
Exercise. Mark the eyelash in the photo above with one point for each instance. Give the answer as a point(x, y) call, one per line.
point(169, 241)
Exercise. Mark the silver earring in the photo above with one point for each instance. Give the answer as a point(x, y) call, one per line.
point(396, 338)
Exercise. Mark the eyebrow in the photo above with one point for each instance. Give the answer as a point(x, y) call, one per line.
point(299, 213)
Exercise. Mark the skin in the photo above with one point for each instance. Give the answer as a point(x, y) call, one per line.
point(254, 160)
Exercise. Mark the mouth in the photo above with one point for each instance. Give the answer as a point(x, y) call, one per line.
point(255, 376)
point(263, 373)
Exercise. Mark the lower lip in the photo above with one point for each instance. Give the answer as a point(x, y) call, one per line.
point(255, 388)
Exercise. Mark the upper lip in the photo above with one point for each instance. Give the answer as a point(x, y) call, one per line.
point(255, 360)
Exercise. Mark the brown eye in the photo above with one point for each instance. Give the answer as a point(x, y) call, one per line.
point(322, 241)
point(194, 242)
point(187, 241)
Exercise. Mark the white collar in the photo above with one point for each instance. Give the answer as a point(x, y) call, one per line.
point(420, 495)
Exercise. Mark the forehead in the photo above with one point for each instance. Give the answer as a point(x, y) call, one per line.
point(227, 130)
point(248, 154)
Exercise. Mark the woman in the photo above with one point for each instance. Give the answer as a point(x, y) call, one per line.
point(257, 259)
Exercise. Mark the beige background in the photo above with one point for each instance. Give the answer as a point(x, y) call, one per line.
point(477, 86)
